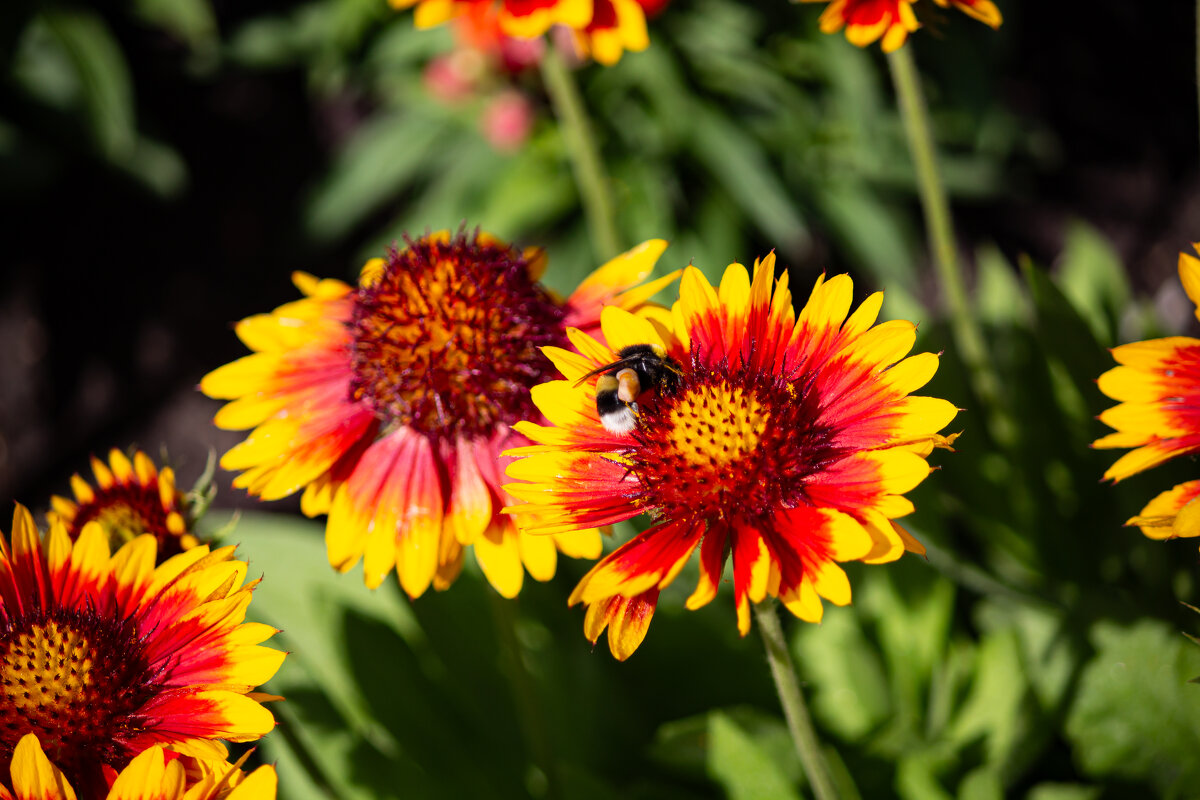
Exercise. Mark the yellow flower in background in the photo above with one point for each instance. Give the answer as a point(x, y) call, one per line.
point(1158, 386)
point(787, 443)
point(130, 498)
point(390, 403)
point(154, 774)
point(103, 655)
point(891, 21)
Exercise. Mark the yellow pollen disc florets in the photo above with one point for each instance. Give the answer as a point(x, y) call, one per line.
point(728, 443)
point(122, 523)
point(45, 669)
point(76, 681)
point(716, 426)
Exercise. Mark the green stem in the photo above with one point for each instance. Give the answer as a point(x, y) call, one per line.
point(528, 707)
point(968, 338)
point(788, 687)
point(585, 157)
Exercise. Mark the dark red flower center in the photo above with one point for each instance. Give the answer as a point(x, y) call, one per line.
point(76, 680)
point(728, 444)
point(125, 511)
point(446, 337)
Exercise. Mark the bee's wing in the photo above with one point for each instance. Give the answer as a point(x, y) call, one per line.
point(624, 362)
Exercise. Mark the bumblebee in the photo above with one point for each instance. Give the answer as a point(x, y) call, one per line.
point(638, 368)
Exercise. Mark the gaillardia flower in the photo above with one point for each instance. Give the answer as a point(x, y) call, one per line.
point(523, 18)
point(603, 29)
point(785, 441)
point(130, 498)
point(616, 26)
point(103, 655)
point(155, 774)
point(390, 403)
point(867, 21)
point(1158, 386)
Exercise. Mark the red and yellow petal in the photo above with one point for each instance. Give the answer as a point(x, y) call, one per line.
point(1157, 382)
point(650, 560)
point(617, 282)
point(1172, 514)
point(1189, 276)
point(33, 776)
point(617, 26)
point(627, 620)
point(154, 774)
point(983, 10)
point(866, 21)
point(529, 18)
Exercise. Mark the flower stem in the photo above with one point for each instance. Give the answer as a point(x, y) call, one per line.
point(788, 687)
point(528, 708)
point(585, 157)
point(965, 329)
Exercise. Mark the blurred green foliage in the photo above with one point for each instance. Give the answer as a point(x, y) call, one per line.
point(1034, 654)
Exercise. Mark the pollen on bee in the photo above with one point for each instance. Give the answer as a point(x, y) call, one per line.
point(628, 385)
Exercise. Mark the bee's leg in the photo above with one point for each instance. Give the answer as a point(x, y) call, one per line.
point(628, 385)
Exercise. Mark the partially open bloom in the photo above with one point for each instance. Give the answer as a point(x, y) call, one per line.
point(130, 498)
point(867, 21)
point(603, 29)
point(1158, 386)
point(389, 403)
point(788, 442)
point(104, 655)
point(155, 773)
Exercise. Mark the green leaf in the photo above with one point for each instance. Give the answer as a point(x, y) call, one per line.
point(738, 164)
point(686, 744)
point(192, 21)
point(1063, 791)
point(1093, 278)
point(914, 608)
point(871, 232)
point(916, 778)
point(385, 155)
point(1067, 339)
point(850, 694)
point(981, 784)
point(1050, 653)
point(992, 711)
point(1135, 713)
point(307, 605)
point(1000, 299)
point(103, 77)
point(741, 765)
point(527, 193)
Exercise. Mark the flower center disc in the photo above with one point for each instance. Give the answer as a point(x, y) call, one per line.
point(729, 444)
point(73, 680)
point(446, 337)
point(715, 427)
point(126, 511)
